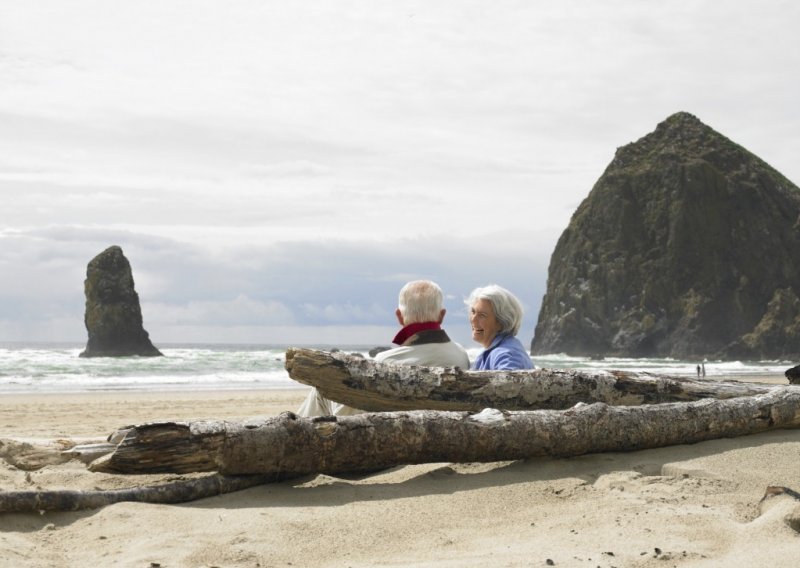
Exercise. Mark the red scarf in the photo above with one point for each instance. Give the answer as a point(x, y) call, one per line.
point(413, 329)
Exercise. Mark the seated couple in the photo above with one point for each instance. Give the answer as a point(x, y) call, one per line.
point(495, 317)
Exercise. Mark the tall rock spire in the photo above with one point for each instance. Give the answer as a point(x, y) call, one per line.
point(113, 315)
point(687, 246)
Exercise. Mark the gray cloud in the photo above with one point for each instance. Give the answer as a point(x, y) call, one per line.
point(301, 284)
point(281, 171)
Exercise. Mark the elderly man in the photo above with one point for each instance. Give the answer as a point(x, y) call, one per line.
point(421, 341)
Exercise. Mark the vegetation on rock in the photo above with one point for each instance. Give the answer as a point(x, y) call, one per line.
point(687, 246)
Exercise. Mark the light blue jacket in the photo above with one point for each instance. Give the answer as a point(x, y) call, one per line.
point(505, 353)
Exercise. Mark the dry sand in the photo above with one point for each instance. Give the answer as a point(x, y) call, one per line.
point(681, 506)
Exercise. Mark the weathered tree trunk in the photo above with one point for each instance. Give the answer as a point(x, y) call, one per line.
point(175, 492)
point(291, 445)
point(375, 387)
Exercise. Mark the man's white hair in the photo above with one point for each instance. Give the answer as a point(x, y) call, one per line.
point(420, 301)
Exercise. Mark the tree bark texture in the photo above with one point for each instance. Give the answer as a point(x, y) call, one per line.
point(288, 444)
point(378, 387)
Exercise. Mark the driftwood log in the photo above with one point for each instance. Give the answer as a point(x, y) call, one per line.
point(793, 375)
point(379, 387)
point(288, 444)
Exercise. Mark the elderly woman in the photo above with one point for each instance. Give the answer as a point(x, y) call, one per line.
point(495, 315)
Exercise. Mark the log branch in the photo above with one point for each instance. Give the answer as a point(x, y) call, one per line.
point(169, 493)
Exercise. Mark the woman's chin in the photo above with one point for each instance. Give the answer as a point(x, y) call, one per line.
point(480, 339)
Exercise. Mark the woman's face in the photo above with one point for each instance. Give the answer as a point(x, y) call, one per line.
point(483, 321)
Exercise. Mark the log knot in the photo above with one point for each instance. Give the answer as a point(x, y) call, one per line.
point(326, 428)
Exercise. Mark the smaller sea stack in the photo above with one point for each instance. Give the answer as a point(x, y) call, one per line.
point(113, 316)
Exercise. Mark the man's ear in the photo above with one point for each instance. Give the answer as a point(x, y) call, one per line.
point(441, 315)
point(399, 315)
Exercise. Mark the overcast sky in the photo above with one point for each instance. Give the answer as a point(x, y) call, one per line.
point(276, 170)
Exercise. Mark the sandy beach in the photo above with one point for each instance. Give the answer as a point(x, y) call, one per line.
point(692, 505)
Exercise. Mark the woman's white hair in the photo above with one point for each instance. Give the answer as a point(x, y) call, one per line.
point(507, 309)
point(420, 301)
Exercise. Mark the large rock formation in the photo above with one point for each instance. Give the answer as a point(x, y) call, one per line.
point(113, 316)
point(687, 246)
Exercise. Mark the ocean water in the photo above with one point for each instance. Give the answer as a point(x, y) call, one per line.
point(57, 368)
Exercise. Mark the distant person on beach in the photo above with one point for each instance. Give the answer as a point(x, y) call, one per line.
point(421, 341)
point(495, 316)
